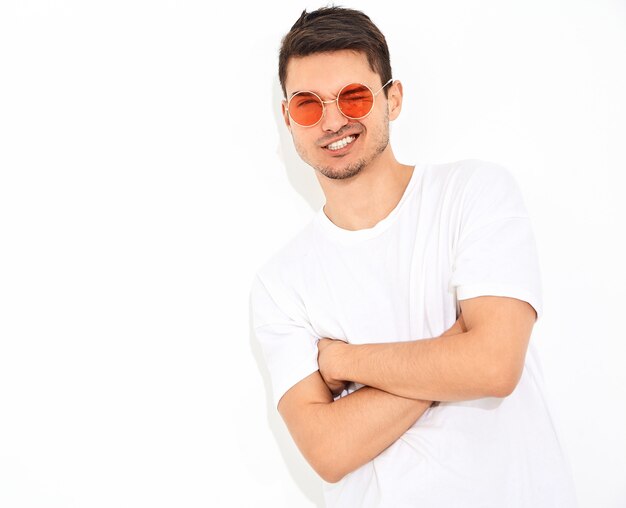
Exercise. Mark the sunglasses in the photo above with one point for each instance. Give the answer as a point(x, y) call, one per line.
point(355, 101)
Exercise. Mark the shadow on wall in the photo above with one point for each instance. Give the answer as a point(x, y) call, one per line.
point(301, 176)
point(301, 473)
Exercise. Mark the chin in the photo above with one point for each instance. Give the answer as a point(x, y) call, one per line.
point(348, 171)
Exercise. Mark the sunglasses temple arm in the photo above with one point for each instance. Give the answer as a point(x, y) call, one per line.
point(381, 88)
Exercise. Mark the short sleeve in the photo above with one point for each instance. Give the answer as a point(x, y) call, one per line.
point(495, 253)
point(289, 346)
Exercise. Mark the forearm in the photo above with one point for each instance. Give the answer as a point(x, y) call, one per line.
point(340, 436)
point(457, 365)
point(447, 368)
point(337, 437)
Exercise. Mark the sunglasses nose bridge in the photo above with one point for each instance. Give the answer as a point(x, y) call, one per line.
point(330, 101)
point(337, 118)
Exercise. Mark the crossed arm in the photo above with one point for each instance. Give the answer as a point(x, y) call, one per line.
point(482, 355)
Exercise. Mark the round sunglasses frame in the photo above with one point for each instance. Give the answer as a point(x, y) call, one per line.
point(336, 99)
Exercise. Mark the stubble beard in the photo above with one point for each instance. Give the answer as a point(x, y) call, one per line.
point(356, 167)
point(352, 169)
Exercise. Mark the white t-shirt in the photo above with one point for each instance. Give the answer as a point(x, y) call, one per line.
point(459, 231)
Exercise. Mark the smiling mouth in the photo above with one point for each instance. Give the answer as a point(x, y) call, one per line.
point(342, 143)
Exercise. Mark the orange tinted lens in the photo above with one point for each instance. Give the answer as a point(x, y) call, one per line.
point(305, 108)
point(355, 100)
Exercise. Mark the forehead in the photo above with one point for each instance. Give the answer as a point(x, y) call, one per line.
point(326, 73)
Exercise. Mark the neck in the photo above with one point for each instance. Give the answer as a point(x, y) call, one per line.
point(360, 202)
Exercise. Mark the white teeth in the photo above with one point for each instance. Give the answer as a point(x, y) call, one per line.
point(341, 143)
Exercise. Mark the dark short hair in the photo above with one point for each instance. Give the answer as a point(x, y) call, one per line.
point(333, 29)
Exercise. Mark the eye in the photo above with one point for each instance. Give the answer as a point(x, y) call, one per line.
point(307, 102)
point(355, 93)
point(355, 97)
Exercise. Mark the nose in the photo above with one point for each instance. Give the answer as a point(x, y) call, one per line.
point(333, 119)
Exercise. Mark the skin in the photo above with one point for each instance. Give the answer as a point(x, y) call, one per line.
point(481, 355)
point(338, 436)
point(484, 361)
point(364, 185)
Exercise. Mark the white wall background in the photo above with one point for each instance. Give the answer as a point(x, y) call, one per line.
point(145, 176)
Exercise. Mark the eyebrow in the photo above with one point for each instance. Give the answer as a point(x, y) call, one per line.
point(355, 91)
point(347, 92)
point(303, 91)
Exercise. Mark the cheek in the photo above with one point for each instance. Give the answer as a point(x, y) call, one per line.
point(303, 139)
point(303, 145)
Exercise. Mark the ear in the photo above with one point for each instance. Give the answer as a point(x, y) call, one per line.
point(394, 100)
point(285, 114)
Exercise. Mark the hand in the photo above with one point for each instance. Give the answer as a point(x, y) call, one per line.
point(328, 350)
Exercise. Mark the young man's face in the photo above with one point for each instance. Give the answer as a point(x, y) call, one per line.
point(325, 74)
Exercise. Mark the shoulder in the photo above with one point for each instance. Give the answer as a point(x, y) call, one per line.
point(280, 276)
point(291, 256)
point(469, 183)
point(276, 291)
point(477, 183)
point(471, 172)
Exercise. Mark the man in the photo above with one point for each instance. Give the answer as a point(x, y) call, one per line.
point(412, 284)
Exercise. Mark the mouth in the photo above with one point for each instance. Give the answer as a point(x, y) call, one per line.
point(341, 145)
